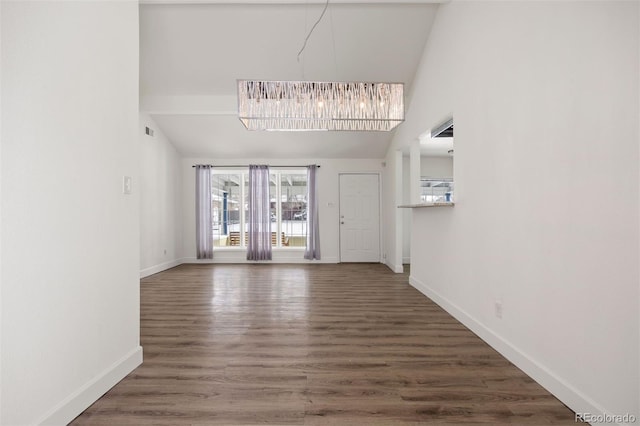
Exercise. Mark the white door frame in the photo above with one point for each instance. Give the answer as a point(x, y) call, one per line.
point(380, 217)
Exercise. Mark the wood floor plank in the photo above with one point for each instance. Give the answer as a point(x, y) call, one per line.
point(346, 344)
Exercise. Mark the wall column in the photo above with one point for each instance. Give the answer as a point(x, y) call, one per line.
point(414, 172)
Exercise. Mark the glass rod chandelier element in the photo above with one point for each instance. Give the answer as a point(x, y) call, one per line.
point(319, 105)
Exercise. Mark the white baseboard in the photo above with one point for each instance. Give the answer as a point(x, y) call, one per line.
point(398, 269)
point(565, 392)
point(87, 394)
point(235, 259)
point(159, 268)
point(406, 260)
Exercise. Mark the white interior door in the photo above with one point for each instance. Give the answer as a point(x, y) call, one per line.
point(359, 218)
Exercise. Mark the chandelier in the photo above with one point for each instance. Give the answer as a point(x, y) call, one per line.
point(320, 105)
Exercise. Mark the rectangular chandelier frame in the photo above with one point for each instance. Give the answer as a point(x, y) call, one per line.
point(320, 105)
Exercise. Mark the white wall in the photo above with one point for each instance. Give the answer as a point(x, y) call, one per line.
point(160, 200)
point(327, 193)
point(406, 213)
point(389, 211)
point(436, 167)
point(70, 238)
point(545, 101)
point(1, 138)
point(433, 167)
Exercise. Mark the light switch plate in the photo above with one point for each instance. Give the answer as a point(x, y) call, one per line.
point(126, 185)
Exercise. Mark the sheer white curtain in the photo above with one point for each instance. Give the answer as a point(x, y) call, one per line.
point(312, 250)
point(259, 219)
point(204, 231)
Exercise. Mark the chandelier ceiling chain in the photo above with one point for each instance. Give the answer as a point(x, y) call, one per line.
point(304, 44)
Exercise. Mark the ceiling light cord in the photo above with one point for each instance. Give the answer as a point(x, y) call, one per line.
point(333, 40)
point(313, 28)
point(306, 26)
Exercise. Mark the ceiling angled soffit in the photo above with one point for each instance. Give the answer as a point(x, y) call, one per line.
point(191, 52)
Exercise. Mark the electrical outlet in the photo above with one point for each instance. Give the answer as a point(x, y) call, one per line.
point(498, 308)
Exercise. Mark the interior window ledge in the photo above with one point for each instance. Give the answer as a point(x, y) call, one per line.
point(419, 205)
point(272, 249)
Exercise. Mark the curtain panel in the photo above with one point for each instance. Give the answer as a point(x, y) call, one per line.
point(204, 230)
point(259, 220)
point(312, 250)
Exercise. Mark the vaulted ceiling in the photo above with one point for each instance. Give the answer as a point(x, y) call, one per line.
point(192, 53)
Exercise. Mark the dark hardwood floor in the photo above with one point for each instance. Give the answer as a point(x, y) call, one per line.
point(350, 344)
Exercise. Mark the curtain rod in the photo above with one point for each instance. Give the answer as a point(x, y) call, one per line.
point(247, 166)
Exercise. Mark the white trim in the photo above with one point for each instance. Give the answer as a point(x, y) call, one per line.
point(290, 2)
point(565, 392)
point(243, 259)
point(159, 268)
point(398, 269)
point(239, 256)
point(243, 249)
point(382, 250)
point(74, 404)
point(398, 215)
point(406, 260)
